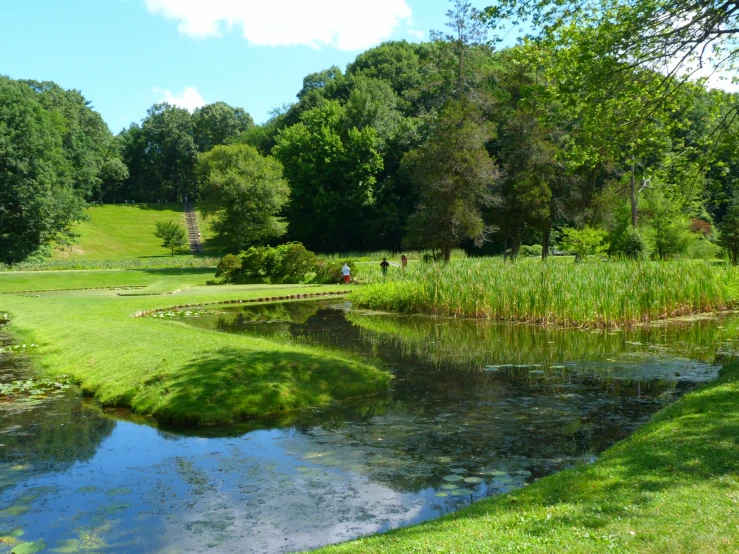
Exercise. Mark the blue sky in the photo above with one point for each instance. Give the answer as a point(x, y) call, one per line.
point(125, 55)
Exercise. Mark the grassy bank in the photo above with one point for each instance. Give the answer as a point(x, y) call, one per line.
point(167, 369)
point(596, 294)
point(672, 487)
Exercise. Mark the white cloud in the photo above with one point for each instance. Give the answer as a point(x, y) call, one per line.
point(189, 98)
point(343, 24)
point(416, 33)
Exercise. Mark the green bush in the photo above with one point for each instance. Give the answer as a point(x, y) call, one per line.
point(531, 251)
point(287, 263)
point(704, 249)
point(584, 242)
point(632, 244)
point(253, 260)
point(228, 267)
point(291, 262)
point(329, 271)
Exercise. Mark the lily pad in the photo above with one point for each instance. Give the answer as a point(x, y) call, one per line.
point(119, 491)
point(449, 487)
point(474, 480)
point(524, 472)
point(505, 480)
point(498, 473)
point(458, 470)
point(452, 478)
point(462, 492)
point(442, 494)
point(29, 547)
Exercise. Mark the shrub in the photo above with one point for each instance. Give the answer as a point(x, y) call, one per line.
point(228, 267)
point(287, 263)
point(252, 261)
point(531, 251)
point(704, 249)
point(330, 271)
point(292, 262)
point(632, 244)
point(584, 242)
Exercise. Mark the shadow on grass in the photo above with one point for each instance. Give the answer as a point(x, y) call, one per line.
point(160, 207)
point(175, 271)
point(230, 385)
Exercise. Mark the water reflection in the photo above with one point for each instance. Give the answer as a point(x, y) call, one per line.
point(475, 410)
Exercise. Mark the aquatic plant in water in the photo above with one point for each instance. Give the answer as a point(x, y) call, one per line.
point(32, 389)
point(601, 294)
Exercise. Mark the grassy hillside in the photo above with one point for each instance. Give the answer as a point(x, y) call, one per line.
point(124, 231)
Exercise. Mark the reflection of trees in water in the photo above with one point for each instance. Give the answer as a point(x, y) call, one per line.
point(50, 435)
point(536, 418)
point(268, 320)
point(510, 423)
point(474, 344)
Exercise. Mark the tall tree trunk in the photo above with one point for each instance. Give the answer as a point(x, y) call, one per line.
point(447, 249)
point(516, 247)
point(547, 242)
point(633, 197)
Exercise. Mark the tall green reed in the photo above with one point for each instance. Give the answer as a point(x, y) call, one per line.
point(602, 294)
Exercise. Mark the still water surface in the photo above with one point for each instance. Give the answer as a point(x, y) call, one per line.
point(475, 409)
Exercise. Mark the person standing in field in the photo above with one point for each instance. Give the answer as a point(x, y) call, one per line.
point(346, 272)
point(403, 262)
point(384, 264)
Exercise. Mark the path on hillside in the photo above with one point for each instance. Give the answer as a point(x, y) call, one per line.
point(193, 233)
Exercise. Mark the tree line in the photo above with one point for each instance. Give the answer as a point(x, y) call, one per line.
point(435, 144)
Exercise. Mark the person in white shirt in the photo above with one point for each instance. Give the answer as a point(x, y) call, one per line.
point(346, 272)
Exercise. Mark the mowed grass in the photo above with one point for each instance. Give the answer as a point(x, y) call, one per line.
point(673, 487)
point(124, 231)
point(32, 281)
point(603, 294)
point(167, 369)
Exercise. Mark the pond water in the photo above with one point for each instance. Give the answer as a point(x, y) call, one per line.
point(475, 409)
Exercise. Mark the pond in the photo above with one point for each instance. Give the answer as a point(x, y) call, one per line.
point(475, 409)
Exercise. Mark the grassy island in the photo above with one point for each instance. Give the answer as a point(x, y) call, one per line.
point(167, 369)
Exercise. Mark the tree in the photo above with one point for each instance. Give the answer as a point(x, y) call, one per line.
point(244, 193)
point(332, 169)
point(454, 175)
point(173, 235)
point(584, 242)
point(161, 155)
point(50, 163)
point(673, 37)
point(217, 123)
point(729, 238)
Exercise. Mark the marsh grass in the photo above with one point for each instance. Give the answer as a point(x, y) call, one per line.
point(601, 294)
point(393, 256)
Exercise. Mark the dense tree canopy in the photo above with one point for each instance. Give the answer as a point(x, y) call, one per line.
point(53, 156)
point(243, 193)
point(591, 122)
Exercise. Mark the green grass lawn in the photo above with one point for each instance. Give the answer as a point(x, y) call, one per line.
point(673, 487)
point(167, 369)
point(125, 231)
